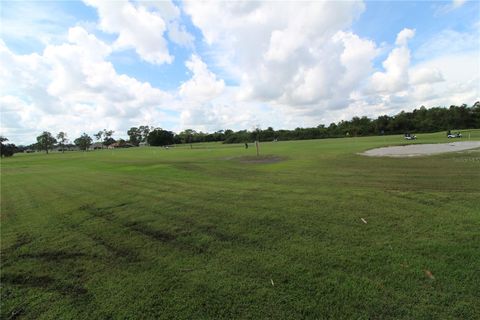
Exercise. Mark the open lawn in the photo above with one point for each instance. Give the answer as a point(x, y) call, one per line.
point(205, 233)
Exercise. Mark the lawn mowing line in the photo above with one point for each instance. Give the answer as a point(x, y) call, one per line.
point(204, 191)
point(128, 226)
point(168, 238)
point(448, 205)
point(77, 292)
point(158, 236)
point(199, 208)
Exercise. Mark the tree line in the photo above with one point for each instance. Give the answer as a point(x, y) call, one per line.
point(418, 121)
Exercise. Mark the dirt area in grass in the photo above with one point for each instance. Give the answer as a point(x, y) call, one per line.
point(255, 159)
point(262, 160)
point(415, 150)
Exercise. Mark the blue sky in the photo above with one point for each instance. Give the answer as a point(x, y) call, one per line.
point(218, 65)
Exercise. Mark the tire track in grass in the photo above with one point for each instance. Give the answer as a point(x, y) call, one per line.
point(49, 269)
point(118, 251)
point(155, 235)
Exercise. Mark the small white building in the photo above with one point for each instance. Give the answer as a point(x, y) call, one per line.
point(95, 146)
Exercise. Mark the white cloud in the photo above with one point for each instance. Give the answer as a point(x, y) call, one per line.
point(403, 37)
point(458, 86)
point(356, 58)
point(449, 7)
point(225, 112)
point(449, 41)
point(34, 25)
point(142, 29)
point(395, 76)
point(308, 66)
point(280, 69)
point(425, 75)
point(458, 3)
point(284, 58)
point(203, 86)
point(171, 14)
point(71, 87)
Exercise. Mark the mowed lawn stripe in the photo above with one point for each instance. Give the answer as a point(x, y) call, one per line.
point(200, 233)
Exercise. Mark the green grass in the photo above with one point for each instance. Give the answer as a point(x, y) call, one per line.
point(199, 233)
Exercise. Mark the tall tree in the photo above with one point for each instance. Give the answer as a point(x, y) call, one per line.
point(144, 132)
point(107, 137)
point(62, 139)
point(83, 142)
point(46, 141)
point(98, 136)
point(256, 132)
point(8, 149)
point(159, 137)
point(135, 135)
point(186, 136)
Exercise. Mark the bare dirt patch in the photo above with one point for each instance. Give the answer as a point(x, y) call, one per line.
point(416, 150)
point(260, 159)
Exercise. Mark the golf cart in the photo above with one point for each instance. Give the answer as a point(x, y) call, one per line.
point(408, 136)
point(454, 135)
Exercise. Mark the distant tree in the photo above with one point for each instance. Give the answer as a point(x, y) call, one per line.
point(83, 142)
point(144, 132)
point(187, 136)
point(45, 141)
point(255, 134)
point(121, 142)
point(159, 137)
point(108, 141)
point(135, 135)
point(62, 139)
point(98, 136)
point(8, 149)
point(107, 137)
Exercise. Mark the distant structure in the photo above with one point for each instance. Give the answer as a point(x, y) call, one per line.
point(120, 144)
point(67, 147)
point(95, 146)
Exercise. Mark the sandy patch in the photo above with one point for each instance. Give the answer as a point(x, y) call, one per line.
point(415, 150)
point(255, 159)
point(262, 160)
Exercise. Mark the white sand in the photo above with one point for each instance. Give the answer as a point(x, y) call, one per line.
point(415, 150)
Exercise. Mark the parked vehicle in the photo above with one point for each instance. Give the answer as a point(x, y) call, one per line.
point(408, 136)
point(454, 135)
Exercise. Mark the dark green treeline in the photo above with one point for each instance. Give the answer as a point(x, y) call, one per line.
point(416, 121)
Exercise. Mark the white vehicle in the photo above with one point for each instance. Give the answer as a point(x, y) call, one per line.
point(454, 135)
point(409, 136)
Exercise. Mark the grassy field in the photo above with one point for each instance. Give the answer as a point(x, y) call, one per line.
point(201, 233)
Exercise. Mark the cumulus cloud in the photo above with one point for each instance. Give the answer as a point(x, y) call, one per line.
point(440, 80)
point(71, 85)
point(425, 75)
point(458, 3)
point(259, 64)
point(203, 85)
point(455, 85)
point(227, 113)
point(403, 37)
point(395, 76)
point(307, 65)
point(448, 7)
point(142, 29)
point(33, 26)
point(281, 58)
point(448, 42)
